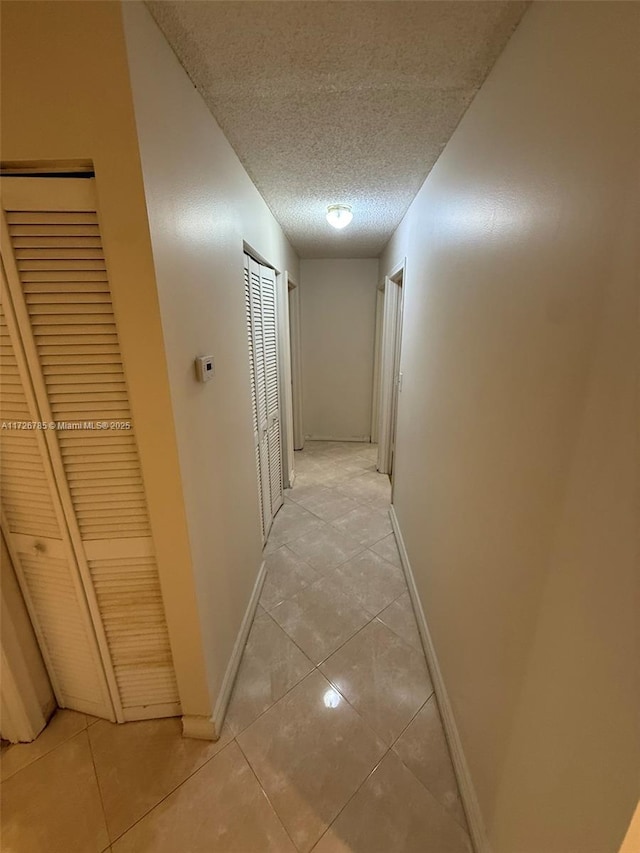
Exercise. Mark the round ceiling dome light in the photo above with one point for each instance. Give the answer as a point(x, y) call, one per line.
point(339, 215)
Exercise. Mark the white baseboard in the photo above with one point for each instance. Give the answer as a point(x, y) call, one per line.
point(201, 728)
point(222, 702)
point(465, 783)
point(358, 438)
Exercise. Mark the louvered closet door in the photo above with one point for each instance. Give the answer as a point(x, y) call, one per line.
point(260, 392)
point(35, 530)
point(254, 399)
point(270, 331)
point(58, 277)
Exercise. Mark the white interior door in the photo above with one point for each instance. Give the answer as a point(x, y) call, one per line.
point(65, 334)
point(390, 377)
point(296, 368)
point(262, 327)
point(272, 385)
point(397, 377)
point(37, 538)
point(253, 304)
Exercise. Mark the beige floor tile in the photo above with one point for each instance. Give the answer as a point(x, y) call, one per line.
point(366, 524)
point(400, 618)
point(53, 805)
point(366, 459)
point(388, 549)
point(379, 501)
point(291, 522)
point(310, 752)
point(384, 679)
point(287, 574)
point(325, 547)
point(260, 613)
point(330, 505)
point(368, 579)
point(393, 813)
point(302, 494)
point(62, 726)
point(140, 763)
point(423, 748)
point(220, 809)
point(271, 665)
point(367, 487)
point(310, 478)
point(320, 619)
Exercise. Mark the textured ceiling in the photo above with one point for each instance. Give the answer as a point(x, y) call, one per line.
point(348, 102)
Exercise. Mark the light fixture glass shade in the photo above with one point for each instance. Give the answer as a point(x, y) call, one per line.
point(339, 215)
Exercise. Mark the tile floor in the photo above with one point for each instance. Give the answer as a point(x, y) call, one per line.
point(333, 741)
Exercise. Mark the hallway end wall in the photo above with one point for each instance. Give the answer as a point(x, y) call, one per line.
point(516, 485)
point(338, 335)
point(202, 205)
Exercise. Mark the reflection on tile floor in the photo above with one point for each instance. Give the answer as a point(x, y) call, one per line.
point(333, 741)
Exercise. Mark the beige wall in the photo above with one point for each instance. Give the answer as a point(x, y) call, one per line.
point(517, 463)
point(66, 96)
point(338, 332)
point(202, 205)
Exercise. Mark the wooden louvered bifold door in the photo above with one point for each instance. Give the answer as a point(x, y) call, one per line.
point(35, 530)
point(254, 398)
point(270, 332)
point(257, 343)
point(260, 299)
point(60, 287)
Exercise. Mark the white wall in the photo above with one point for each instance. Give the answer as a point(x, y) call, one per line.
point(516, 480)
point(202, 205)
point(338, 331)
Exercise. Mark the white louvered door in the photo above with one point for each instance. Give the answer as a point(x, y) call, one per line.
point(35, 530)
point(59, 285)
point(260, 298)
point(258, 409)
point(270, 332)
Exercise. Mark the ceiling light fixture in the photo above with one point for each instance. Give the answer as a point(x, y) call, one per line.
point(339, 215)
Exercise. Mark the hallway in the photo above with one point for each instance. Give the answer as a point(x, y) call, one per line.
point(332, 739)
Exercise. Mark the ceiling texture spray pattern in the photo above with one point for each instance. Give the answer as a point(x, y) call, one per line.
point(337, 102)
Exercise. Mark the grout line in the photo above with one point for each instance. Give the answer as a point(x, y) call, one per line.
point(366, 778)
point(49, 751)
point(97, 778)
point(267, 797)
point(174, 789)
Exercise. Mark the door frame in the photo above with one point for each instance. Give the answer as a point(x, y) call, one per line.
point(295, 339)
point(377, 358)
point(286, 352)
point(391, 348)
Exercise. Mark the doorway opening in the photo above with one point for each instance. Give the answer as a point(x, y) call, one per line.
point(296, 364)
point(390, 373)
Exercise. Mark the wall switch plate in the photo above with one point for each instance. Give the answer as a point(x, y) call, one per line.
point(204, 367)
